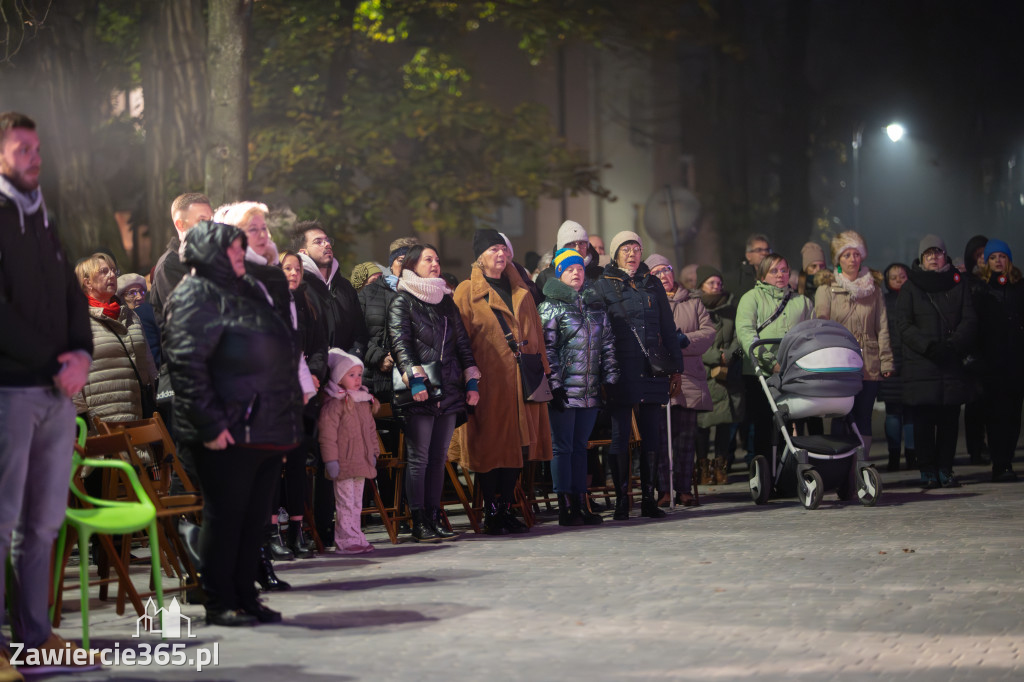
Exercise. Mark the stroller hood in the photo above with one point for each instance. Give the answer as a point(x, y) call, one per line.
point(818, 358)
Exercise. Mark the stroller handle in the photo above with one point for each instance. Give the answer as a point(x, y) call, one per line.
point(761, 342)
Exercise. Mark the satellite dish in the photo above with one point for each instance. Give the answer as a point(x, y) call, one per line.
point(670, 217)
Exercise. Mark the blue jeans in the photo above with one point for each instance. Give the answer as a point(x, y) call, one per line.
point(570, 432)
point(37, 434)
point(427, 438)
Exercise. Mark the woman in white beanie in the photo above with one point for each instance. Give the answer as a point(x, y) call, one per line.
point(650, 365)
point(854, 299)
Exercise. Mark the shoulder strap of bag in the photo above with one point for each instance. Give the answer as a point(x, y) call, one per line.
point(643, 348)
point(775, 315)
point(513, 345)
point(129, 356)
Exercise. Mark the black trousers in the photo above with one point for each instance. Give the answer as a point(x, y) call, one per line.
point(759, 411)
point(238, 483)
point(1002, 422)
point(650, 420)
point(936, 428)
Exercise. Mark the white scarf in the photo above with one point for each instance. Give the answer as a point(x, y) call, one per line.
point(362, 395)
point(858, 288)
point(27, 204)
point(427, 289)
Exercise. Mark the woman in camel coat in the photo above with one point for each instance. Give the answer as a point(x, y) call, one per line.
point(504, 429)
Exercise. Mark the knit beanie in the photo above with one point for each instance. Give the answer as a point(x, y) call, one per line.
point(930, 241)
point(485, 239)
point(130, 280)
point(845, 241)
point(362, 272)
point(399, 248)
point(811, 253)
point(993, 246)
point(340, 363)
point(564, 258)
point(570, 231)
point(706, 272)
point(656, 260)
point(620, 239)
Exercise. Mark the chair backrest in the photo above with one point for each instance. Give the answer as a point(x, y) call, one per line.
point(107, 452)
point(152, 433)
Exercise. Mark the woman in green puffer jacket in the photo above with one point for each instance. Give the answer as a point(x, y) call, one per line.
point(756, 319)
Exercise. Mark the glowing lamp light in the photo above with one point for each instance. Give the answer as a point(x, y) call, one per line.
point(894, 131)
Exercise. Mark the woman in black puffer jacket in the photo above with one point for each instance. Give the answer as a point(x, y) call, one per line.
point(899, 424)
point(639, 312)
point(581, 354)
point(936, 323)
point(1000, 307)
point(234, 364)
point(428, 339)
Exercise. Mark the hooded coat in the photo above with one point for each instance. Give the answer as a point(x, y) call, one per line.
point(374, 300)
point(638, 302)
point(1000, 309)
point(891, 390)
point(937, 327)
point(502, 423)
point(336, 298)
point(112, 390)
point(579, 341)
point(233, 358)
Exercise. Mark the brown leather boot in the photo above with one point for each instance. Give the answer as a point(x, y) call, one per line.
point(721, 473)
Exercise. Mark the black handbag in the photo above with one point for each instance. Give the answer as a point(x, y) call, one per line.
point(536, 388)
point(403, 394)
point(659, 361)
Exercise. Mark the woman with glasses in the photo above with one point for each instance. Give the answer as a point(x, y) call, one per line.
point(769, 310)
point(122, 366)
point(650, 362)
point(937, 326)
point(131, 289)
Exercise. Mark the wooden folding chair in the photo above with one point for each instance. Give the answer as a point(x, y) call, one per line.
point(156, 480)
point(463, 492)
point(392, 464)
point(601, 489)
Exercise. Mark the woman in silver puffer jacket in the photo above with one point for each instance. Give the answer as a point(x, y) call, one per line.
point(581, 353)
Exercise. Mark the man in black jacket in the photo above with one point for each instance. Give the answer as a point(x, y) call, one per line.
point(45, 353)
point(186, 211)
point(332, 293)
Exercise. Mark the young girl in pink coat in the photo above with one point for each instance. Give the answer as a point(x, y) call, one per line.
point(348, 446)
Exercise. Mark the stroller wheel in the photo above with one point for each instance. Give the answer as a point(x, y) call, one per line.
point(811, 489)
point(760, 480)
point(870, 488)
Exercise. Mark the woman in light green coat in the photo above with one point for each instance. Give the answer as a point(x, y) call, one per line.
point(767, 311)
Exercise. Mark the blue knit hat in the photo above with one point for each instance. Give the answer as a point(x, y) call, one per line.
point(998, 246)
point(564, 258)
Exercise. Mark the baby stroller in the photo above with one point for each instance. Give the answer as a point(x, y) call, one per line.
point(820, 375)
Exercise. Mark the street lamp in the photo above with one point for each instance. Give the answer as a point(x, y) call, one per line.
point(895, 132)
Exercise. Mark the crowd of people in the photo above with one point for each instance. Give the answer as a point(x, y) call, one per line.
point(266, 358)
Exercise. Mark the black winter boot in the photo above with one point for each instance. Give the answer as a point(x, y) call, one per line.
point(297, 541)
point(569, 510)
point(275, 543)
point(911, 456)
point(588, 517)
point(422, 529)
point(649, 504)
point(494, 524)
point(510, 519)
point(437, 523)
point(265, 575)
point(894, 461)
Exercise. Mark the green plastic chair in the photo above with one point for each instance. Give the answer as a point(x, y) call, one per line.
point(107, 517)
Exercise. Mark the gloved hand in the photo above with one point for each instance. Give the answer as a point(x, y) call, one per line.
point(417, 385)
point(332, 469)
point(559, 399)
point(684, 341)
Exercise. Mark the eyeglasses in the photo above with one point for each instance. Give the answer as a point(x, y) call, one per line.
point(323, 241)
point(257, 230)
point(630, 248)
point(104, 271)
point(579, 247)
point(663, 270)
point(134, 293)
point(761, 249)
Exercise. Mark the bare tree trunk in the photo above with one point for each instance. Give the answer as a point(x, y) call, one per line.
point(174, 87)
point(83, 205)
point(228, 131)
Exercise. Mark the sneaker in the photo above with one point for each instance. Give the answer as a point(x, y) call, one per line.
point(948, 480)
point(56, 655)
point(930, 481)
point(7, 671)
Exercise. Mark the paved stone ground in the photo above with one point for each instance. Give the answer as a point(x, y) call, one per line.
point(925, 586)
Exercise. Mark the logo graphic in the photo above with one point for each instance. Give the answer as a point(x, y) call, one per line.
point(170, 619)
